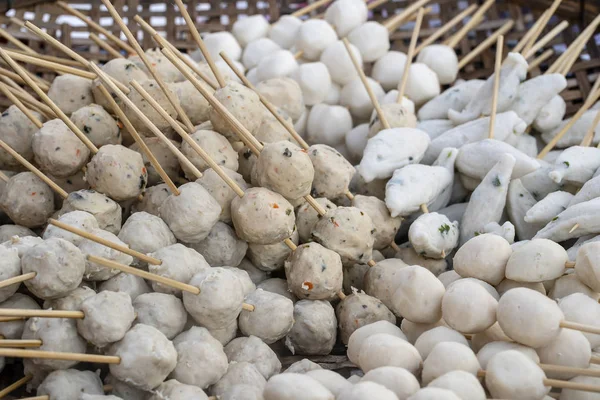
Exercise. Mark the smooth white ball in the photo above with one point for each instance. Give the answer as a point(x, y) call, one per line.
point(388, 69)
point(355, 97)
point(313, 37)
point(334, 94)
point(339, 63)
point(345, 15)
point(423, 84)
point(442, 60)
point(279, 64)
point(314, 80)
point(372, 40)
point(258, 49)
point(356, 141)
point(222, 41)
point(249, 29)
point(328, 124)
point(285, 30)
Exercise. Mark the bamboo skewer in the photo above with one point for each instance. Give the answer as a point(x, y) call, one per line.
point(17, 279)
point(97, 27)
point(544, 18)
point(539, 60)
point(138, 139)
point(17, 312)
point(546, 39)
point(458, 36)
point(309, 8)
point(574, 48)
point(56, 355)
point(16, 42)
point(14, 386)
point(4, 89)
point(33, 169)
point(527, 37)
point(409, 57)
point(392, 23)
point(105, 46)
point(17, 78)
point(196, 35)
point(52, 66)
point(497, 67)
point(171, 97)
point(447, 27)
point(29, 100)
point(485, 44)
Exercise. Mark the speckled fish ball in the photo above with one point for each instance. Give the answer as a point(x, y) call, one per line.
point(220, 191)
point(433, 235)
point(382, 349)
point(328, 124)
point(260, 322)
point(97, 272)
point(385, 226)
point(222, 42)
point(193, 103)
point(286, 169)
point(108, 317)
point(307, 217)
point(338, 62)
point(163, 67)
point(314, 330)
point(314, 272)
point(446, 357)
point(314, 80)
point(442, 60)
point(79, 219)
point(117, 172)
point(262, 216)
point(164, 312)
point(220, 299)
point(107, 212)
point(217, 147)
point(313, 37)
point(221, 247)
point(247, 285)
point(354, 96)
point(193, 202)
point(14, 329)
point(279, 286)
point(178, 262)
point(57, 150)
point(56, 334)
point(536, 261)
point(371, 39)
point(174, 390)
point(16, 130)
point(512, 375)
point(71, 92)
point(70, 384)
point(529, 317)
point(388, 69)
point(483, 257)
point(122, 70)
point(250, 28)
point(97, 124)
point(242, 103)
point(72, 301)
point(418, 295)
point(59, 268)
point(258, 49)
point(201, 360)
point(468, 295)
point(429, 339)
point(253, 350)
point(295, 386)
point(147, 357)
point(270, 257)
point(423, 84)
point(10, 267)
point(359, 335)
point(126, 283)
point(364, 390)
point(7, 231)
point(167, 160)
point(123, 389)
point(239, 373)
point(146, 233)
point(359, 309)
point(348, 231)
point(285, 94)
point(157, 94)
point(332, 381)
point(279, 64)
point(397, 116)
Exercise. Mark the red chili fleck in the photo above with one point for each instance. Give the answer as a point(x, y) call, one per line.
point(304, 151)
point(78, 152)
point(336, 224)
point(120, 124)
point(143, 170)
point(33, 193)
point(275, 205)
point(309, 285)
point(276, 170)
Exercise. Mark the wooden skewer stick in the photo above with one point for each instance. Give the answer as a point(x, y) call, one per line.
point(485, 44)
point(392, 23)
point(539, 60)
point(544, 18)
point(4, 177)
point(546, 39)
point(171, 97)
point(97, 27)
point(203, 49)
point(424, 209)
point(4, 89)
point(33, 169)
point(458, 36)
point(591, 99)
point(589, 136)
point(19, 70)
point(17, 279)
point(447, 27)
point(580, 327)
point(363, 78)
point(574, 48)
point(104, 242)
point(52, 66)
point(105, 46)
point(498, 65)
point(286, 124)
point(56, 355)
point(14, 386)
point(527, 37)
point(18, 312)
point(138, 139)
point(165, 43)
point(28, 99)
point(411, 17)
point(182, 158)
point(570, 370)
point(17, 78)
point(409, 56)
point(16, 42)
point(65, 49)
point(309, 8)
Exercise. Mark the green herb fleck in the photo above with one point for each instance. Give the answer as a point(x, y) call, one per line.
point(567, 164)
point(288, 211)
point(555, 218)
point(496, 182)
point(444, 229)
point(477, 233)
point(87, 129)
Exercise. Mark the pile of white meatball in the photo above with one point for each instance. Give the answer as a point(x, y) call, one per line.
point(497, 250)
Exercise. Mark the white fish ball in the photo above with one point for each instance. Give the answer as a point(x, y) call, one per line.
point(249, 29)
point(442, 60)
point(429, 339)
point(345, 15)
point(339, 63)
point(382, 349)
point(483, 257)
point(418, 295)
point(446, 357)
point(314, 80)
point(398, 380)
point(356, 141)
point(279, 64)
point(222, 42)
point(285, 30)
point(293, 386)
point(462, 383)
point(423, 84)
point(458, 310)
point(537, 260)
point(313, 37)
point(388, 70)
point(257, 50)
point(328, 124)
point(355, 97)
point(358, 336)
point(372, 40)
point(365, 390)
point(512, 375)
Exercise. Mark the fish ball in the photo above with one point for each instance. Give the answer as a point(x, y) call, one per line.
point(173, 390)
point(355, 97)
point(167, 160)
point(313, 37)
point(359, 309)
point(429, 339)
point(418, 295)
point(239, 373)
point(537, 260)
point(16, 130)
point(294, 386)
point(371, 39)
point(587, 265)
point(71, 92)
point(442, 60)
point(164, 312)
point(193, 103)
point(285, 31)
point(14, 329)
point(382, 350)
point(314, 80)
point(388, 69)
point(345, 15)
point(512, 375)
point(315, 328)
point(70, 384)
point(359, 335)
point(243, 103)
point(449, 356)
point(462, 295)
point(488, 351)
point(146, 233)
point(398, 380)
point(215, 145)
point(580, 308)
point(332, 381)
point(108, 317)
point(570, 348)
point(462, 383)
point(366, 390)
point(107, 212)
point(97, 124)
point(397, 116)
point(218, 42)
point(260, 322)
point(279, 64)
point(328, 124)
point(285, 94)
point(423, 84)
point(258, 49)
point(155, 91)
point(431, 393)
point(249, 29)
point(126, 283)
point(339, 63)
point(253, 350)
point(98, 272)
point(483, 257)
point(78, 219)
point(220, 191)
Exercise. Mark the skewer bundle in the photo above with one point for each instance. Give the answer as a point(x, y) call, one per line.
point(188, 223)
